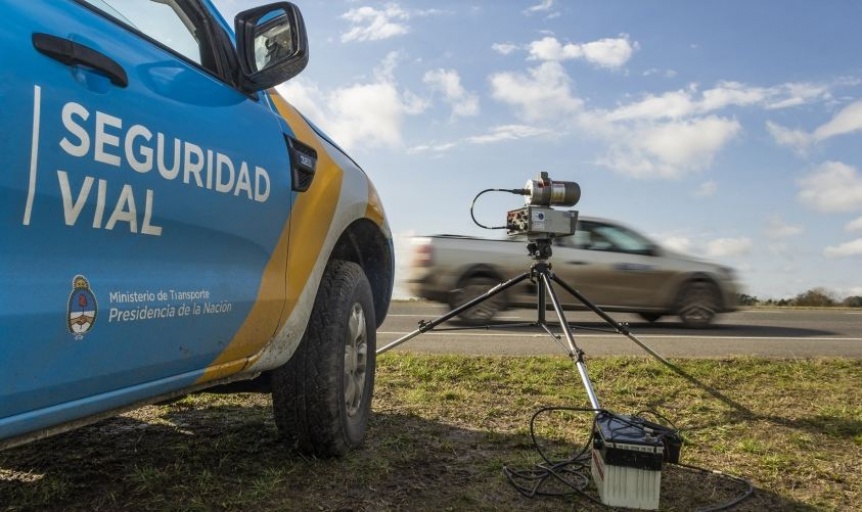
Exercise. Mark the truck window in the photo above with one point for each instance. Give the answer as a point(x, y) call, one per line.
point(164, 21)
point(606, 237)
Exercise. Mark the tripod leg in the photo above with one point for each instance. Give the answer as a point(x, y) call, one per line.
point(427, 326)
point(541, 302)
point(622, 329)
point(575, 352)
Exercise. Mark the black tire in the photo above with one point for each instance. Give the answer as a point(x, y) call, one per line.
point(321, 398)
point(471, 288)
point(650, 317)
point(698, 304)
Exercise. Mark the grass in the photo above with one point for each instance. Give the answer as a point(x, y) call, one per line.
point(445, 426)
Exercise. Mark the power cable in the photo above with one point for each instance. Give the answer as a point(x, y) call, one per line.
point(517, 191)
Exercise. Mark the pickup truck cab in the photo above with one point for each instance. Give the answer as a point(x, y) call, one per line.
point(170, 223)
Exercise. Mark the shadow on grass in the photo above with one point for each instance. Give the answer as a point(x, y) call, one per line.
point(228, 457)
point(841, 428)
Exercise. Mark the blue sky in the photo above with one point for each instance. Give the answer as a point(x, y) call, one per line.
point(727, 130)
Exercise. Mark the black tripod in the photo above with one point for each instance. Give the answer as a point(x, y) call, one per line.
point(541, 274)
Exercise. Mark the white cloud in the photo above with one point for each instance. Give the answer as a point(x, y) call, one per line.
point(508, 132)
point(847, 120)
point(780, 249)
point(706, 189)
point(728, 247)
point(371, 113)
point(385, 71)
point(440, 147)
point(549, 48)
point(667, 73)
point(448, 82)
point(796, 139)
point(853, 248)
point(658, 135)
point(670, 150)
point(542, 94)
point(687, 102)
point(664, 135)
point(670, 105)
point(668, 135)
point(496, 134)
point(796, 93)
point(610, 53)
point(543, 6)
point(718, 248)
point(605, 53)
point(307, 97)
point(777, 228)
point(726, 94)
point(854, 225)
point(370, 24)
point(679, 244)
point(832, 187)
point(504, 48)
point(683, 143)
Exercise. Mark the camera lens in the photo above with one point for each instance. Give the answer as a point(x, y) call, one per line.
point(545, 192)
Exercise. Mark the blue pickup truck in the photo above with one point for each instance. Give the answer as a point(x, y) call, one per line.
point(170, 223)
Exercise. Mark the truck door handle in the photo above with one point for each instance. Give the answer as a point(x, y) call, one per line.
point(72, 53)
point(576, 262)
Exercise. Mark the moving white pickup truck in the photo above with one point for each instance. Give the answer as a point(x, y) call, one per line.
point(613, 266)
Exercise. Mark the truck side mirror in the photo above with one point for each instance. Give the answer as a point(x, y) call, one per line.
point(272, 45)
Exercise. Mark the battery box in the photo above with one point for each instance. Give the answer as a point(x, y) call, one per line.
point(627, 458)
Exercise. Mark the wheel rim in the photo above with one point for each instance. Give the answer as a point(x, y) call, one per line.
point(355, 360)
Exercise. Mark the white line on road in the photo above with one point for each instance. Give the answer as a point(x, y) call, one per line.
point(438, 316)
point(613, 335)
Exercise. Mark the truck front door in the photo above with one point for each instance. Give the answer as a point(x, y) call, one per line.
point(146, 199)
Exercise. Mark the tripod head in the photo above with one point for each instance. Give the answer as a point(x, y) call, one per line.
point(540, 248)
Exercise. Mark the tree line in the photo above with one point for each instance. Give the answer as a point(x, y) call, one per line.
point(815, 297)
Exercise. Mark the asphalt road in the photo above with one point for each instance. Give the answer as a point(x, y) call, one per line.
point(778, 333)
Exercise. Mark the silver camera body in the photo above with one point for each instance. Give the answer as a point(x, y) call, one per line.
point(541, 220)
point(538, 218)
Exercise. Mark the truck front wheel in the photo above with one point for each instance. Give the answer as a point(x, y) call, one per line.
point(469, 289)
point(321, 397)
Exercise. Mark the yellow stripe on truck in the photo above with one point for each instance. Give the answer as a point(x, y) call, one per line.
point(311, 216)
point(375, 206)
point(306, 228)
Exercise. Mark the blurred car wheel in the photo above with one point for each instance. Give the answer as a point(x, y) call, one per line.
point(698, 304)
point(471, 288)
